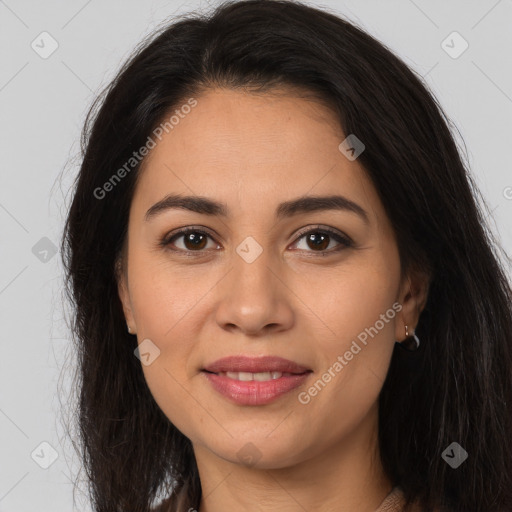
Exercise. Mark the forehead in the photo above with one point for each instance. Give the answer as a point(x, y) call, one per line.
point(248, 126)
point(249, 148)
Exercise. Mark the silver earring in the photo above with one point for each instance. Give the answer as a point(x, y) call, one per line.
point(411, 341)
point(129, 329)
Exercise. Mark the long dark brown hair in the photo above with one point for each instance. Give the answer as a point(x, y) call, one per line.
point(456, 388)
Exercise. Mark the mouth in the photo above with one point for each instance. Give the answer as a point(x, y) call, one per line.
point(255, 381)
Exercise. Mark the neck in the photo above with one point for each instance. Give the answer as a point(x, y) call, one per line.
point(346, 476)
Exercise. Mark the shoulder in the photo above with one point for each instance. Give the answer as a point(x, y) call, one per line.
point(395, 502)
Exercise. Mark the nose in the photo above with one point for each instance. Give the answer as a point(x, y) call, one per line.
point(254, 298)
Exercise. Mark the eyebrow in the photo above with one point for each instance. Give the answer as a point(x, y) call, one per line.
point(305, 204)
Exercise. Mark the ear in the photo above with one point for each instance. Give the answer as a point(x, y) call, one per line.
point(124, 294)
point(413, 297)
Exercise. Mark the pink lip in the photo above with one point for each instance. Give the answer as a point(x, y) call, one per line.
point(255, 392)
point(255, 365)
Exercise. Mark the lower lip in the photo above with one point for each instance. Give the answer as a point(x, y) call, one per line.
point(255, 392)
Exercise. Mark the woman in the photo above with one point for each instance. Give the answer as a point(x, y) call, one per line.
point(286, 297)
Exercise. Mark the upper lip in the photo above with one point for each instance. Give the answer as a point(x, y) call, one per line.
point(255, 365)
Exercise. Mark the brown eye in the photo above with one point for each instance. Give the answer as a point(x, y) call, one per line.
point(319, 240)
point(194, 240)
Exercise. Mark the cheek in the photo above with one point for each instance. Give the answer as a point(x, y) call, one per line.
point(167, 314)
point(166, 323)
point(349, 300)
point(162, 296)
point(168, 307)
point(171, 392)
point(356, 350)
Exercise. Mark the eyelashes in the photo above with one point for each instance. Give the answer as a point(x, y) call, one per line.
point(318, 236)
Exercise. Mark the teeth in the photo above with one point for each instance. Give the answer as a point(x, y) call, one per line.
point(247, 376)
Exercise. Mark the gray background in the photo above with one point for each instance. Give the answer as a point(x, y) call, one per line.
point(43, 102)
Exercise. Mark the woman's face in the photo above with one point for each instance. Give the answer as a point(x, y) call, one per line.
point(265, 279)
